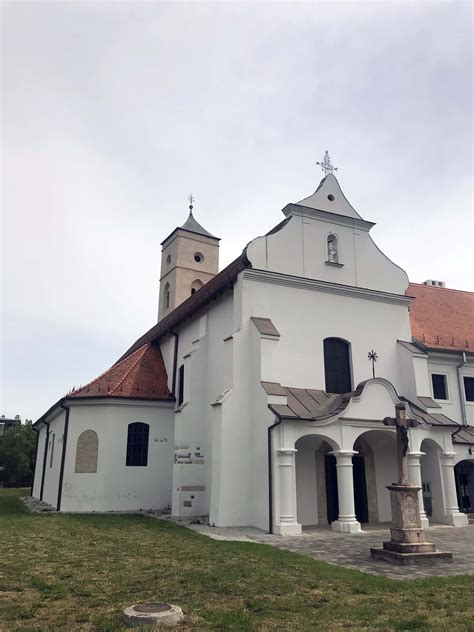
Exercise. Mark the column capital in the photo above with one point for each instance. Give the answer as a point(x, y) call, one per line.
point(337, 453)
point(415, 455)
point(448, 456)
point(286, 451)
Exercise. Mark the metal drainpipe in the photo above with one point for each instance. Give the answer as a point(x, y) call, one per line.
point(175, 362)
point(270, 475)
point(63, 456)
point(461, 390)
point(45, 456)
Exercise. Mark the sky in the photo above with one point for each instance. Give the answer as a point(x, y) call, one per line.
point(112, 113)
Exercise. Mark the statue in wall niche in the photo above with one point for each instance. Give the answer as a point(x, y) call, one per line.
point(332, 249)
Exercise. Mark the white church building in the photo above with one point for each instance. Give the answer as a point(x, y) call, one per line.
point(253, 400)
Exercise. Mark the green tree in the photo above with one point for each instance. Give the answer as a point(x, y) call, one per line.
point(17, 455)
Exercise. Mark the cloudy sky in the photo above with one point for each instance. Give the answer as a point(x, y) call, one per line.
point(112, 113)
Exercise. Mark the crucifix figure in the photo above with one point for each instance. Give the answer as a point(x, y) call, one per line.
point(401, 424)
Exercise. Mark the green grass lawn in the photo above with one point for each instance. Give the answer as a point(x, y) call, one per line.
point(65, 572)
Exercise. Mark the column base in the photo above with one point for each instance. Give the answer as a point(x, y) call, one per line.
point(292, 528)
point(346, 527)
point(405, 559)
point(425, 523)
point(456, 520)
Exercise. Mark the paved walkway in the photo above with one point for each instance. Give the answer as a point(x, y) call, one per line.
point(353, 550)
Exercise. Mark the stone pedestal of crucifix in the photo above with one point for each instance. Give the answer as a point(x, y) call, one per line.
point(407, 544)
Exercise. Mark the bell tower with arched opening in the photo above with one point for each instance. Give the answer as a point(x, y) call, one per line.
point(189, 259)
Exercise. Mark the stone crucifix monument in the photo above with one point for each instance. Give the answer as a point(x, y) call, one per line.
point(407, 543)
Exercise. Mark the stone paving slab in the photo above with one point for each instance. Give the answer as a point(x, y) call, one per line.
point(353, 550)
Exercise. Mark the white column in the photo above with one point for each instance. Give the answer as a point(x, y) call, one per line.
point(451, 510)
point(346, 522)
point(414, 476)
point(287, 523)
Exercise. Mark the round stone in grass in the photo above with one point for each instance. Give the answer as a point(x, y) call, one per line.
point(152, 614)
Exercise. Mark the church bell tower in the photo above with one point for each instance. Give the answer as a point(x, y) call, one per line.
point(189, 259)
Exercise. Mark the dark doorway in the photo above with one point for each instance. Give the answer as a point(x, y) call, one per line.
point(332, 499)
point(360, 489)
point(464, 474)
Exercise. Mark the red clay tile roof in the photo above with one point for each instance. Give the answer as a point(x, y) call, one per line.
point(142, 375)
point(442, 318)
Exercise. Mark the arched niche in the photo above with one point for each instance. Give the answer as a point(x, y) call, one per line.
point(333, 253)
point(196, 285)
point(87, 451)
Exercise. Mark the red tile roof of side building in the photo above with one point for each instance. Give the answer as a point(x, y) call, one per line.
point(142, 375)
point(442, 318)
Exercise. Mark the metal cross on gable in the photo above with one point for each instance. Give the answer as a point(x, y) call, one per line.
point(373, 357)
point(401, 424)
point(326, 165)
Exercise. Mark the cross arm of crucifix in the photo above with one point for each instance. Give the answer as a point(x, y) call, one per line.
point(401, 422)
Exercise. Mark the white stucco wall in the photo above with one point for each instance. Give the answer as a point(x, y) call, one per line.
point(299, 248)
point(42, 430)
point(116, 487)
point(207, 361)
point(51, 478)
point(305, 318)
point(447, 364)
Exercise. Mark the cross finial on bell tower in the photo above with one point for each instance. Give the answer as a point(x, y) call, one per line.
point(191, 201)
point(326, 165)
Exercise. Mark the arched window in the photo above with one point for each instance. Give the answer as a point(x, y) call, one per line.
point(137, 444)
point(87, 449)
point(332, 249)
point(337, 366)
point(196, 285)
point(167, 295)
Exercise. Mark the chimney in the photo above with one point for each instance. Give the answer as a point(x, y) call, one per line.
point(433, 283)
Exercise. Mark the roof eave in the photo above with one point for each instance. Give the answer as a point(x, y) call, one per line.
point(193, 232)
point(426, 348)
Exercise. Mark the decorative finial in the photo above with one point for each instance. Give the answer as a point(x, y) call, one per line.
point(326, 165)
point(372, 355)
point(191, 200)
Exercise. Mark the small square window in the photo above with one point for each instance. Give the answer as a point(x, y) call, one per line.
point(440, 387)
point(469, 388)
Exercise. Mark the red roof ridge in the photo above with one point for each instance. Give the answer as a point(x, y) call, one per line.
point(132, 366)
point(89, 384)
point(433, 287)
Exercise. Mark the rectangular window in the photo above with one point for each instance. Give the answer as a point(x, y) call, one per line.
point(469, 388)
point(52, 452)
point(137, 444)
point(440, 387)
point(181, 385)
